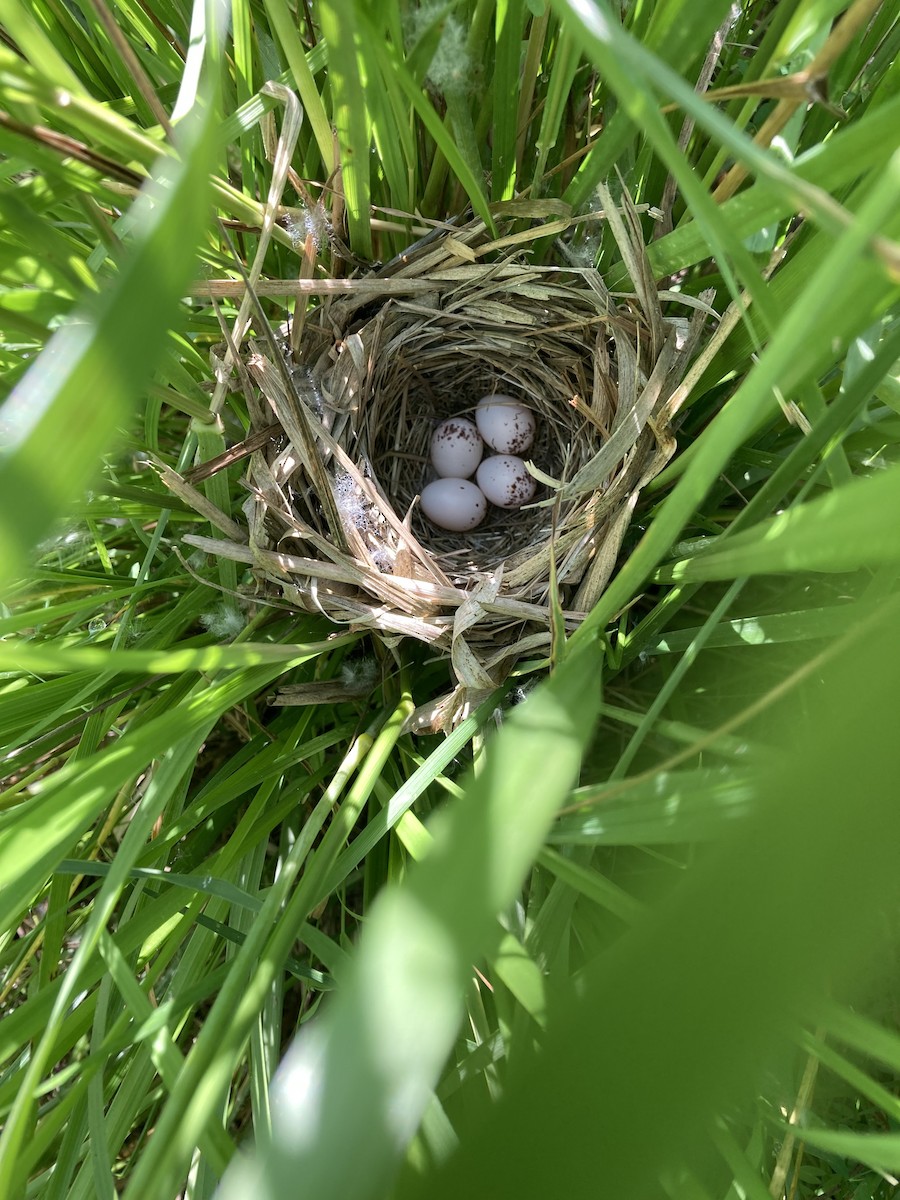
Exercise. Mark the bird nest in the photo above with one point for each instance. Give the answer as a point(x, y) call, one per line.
point(346, 409)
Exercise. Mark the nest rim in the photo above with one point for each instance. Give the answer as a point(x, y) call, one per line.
point(332, 518)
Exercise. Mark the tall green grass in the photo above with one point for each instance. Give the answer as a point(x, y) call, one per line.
point(628, 930)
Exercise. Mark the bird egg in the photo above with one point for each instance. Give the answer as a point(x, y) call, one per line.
point(455, 504)
point(456, 448)
point(506, 425)
point(505, 481)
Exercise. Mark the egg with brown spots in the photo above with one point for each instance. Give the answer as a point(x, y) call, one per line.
point(506, 425)
point(456, 448)
point(505, 481)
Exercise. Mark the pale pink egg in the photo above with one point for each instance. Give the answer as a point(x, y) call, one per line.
point(455, 504)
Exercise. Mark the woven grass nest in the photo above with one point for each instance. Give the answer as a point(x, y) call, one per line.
point(333, 523)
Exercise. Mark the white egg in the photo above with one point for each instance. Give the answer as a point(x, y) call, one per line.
point(456, 448)
point(455, 504)
point(505, 481)
point(506, 425)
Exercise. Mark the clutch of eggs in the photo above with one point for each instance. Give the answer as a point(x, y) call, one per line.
point(452, 501)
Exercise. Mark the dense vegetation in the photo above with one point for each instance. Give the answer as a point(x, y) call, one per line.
point(646, 944)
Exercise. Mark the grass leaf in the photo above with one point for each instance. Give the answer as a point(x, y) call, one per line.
point(96, 362)
point(842, 531)
point(404, 992)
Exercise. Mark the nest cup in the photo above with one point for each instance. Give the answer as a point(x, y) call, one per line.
point(427, 375)
point(333, 520)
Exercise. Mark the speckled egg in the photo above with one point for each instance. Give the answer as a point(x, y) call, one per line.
point(455, 504)
point(506, 425)
point(505, 481)
point(456, 448)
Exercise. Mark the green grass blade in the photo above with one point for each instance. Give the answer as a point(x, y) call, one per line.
point(52, 659)
point(177, 759)
point(26, 32)
point(103, 359)
point(227, 1026)
point(843, 531)
point(421, 104)
point(508, 27)
point(564, 65)
point(630, 62)
point(679, 32)
point(593, 885)
point(670, 687)
point(779, 365)
point(659, 809)
point(880, 1151)
point(769, 629)
point(845, 157)
point(716, 943)
point(284, 27)
point(350, 113)
point(381, 1046)
point(611, 51)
